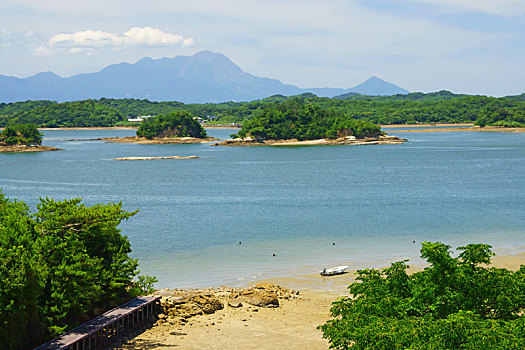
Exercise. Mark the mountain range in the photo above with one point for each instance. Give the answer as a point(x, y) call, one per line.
point(203, 77)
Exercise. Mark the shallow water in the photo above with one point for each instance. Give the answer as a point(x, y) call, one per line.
point(294, 202)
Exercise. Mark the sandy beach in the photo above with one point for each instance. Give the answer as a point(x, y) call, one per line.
point(465, 129)
point(292, 325)
point(425, 125)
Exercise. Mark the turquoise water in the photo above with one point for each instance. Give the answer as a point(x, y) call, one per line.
point(294, 202)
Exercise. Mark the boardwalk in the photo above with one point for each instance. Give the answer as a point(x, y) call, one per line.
point(106, 327)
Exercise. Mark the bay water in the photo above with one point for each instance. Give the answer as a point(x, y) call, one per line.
point(244, 213)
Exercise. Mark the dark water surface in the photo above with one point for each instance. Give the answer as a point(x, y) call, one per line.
point(294, 202)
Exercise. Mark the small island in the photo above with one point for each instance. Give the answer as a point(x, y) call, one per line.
point(294, 124)
point(22, 138)
point(178, 127)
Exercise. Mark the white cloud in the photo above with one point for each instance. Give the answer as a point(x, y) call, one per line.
point(96, 39)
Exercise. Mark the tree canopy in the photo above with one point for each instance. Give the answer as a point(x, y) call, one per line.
point(455, 303)
point(174, 124)
point(434, 107)
point(21, 134)
point(87, 113)
point(59, 267)
point(295, 120)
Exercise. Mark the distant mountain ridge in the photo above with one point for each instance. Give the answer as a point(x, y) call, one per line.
point(203, 77)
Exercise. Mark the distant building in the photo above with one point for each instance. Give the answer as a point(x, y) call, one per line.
point(139, 119)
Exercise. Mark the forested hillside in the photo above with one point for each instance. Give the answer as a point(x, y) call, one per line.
point(88, 113)
point(436, 107)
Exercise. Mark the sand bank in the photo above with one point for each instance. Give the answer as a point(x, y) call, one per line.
point(153, 158)
point(425, 125)
point(292, 325)
point(93, 128)
point(470, 129)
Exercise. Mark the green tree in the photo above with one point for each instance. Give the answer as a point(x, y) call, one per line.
point(455, 303)
point(24, 134)
point(174, 124)
point(20, 277)
point(60, 266)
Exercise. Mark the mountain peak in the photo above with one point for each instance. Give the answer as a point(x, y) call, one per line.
point(45, 75)
point(213, 58)
point(377, 86)
point(204, 77)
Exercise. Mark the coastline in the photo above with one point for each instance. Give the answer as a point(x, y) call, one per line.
point(464, 129)
point(461, 127)
point(27, 149)
point(92, 128)
point(349, 140)
point(425, 125)
point(158, 141)
point(292, 325)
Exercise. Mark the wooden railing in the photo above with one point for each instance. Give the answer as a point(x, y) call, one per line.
point(106, 328)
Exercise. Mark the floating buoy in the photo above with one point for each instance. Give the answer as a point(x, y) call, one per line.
point(273, 254)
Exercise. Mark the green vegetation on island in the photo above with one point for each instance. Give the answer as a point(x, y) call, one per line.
point(456, 303)
point(60, 266)
point(295, 120)
point(20, 134)
point(175, 124)
point(413, 108)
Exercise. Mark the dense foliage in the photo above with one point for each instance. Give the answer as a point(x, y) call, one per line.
point(175, 124)
point(88, 113)
point(59, 267)
point(435, 107)
point(456, 303)
point(21, 134)
point(296, 120)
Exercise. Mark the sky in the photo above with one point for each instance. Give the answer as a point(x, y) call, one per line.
point(464, 46)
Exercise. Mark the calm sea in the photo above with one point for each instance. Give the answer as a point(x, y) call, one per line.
point(372, 202)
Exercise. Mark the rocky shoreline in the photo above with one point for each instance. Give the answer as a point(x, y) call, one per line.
point(27, 148)
point(156, 141)
point(348, 140)
point(180, 305)
point(264, 316)
point(160, 141)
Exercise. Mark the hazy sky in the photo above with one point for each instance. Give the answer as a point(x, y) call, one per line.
point(467, 46)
